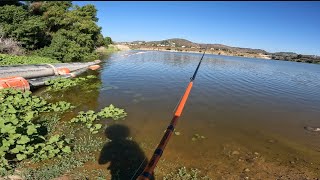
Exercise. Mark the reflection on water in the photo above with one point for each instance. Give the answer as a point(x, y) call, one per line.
point(251, 104)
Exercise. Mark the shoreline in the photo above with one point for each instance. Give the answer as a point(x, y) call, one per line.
point(261, 56)
point(123, 47)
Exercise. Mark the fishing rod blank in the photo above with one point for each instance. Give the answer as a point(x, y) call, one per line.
point(148, 171)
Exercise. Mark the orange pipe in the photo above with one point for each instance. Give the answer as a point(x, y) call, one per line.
point(15, 83)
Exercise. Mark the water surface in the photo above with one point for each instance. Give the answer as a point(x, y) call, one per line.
point(243, 104)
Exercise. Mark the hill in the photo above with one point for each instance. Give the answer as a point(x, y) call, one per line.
point(178, 44)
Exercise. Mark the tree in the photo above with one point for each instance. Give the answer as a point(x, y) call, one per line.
point(55, 29)
point(108, 40)
point(32, 33)
point(54, 14)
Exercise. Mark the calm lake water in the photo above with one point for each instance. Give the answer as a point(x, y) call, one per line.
point(240, 105)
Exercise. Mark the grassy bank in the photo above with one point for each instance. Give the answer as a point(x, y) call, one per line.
point(106, 51)
point(7, 59)
point(44, 137)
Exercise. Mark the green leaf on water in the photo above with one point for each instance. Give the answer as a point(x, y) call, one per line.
point(23, 140)
point(5, 143)
point(18, 148)
point(21, 156)
point(54, 138)
point(31, 129)
point(98, 126)
point(66, 149)
point(30, 150)
point(29, 116)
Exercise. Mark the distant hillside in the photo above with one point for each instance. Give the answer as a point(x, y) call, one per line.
point(178, 44)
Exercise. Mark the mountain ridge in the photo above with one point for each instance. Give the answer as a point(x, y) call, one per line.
point(180, 44)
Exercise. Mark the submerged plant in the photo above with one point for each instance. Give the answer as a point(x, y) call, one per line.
point(65, 83)
point(88, 118)
point(197, 137)
point(112, 112)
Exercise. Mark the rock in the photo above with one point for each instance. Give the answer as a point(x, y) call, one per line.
point(14, 177)
point(246, 170)
point(177, 133)
point(292, 162)
point(256, 153)
point(312, 129)
point(235, 153)
point(271, 141)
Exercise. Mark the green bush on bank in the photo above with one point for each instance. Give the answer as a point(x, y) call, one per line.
point(56, 29)
point(105, 51)
point(23, 134)
point(6, 59)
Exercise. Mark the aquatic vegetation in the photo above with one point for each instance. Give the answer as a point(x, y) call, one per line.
point(22, 133)
point(91, 76)
point(197, 137)
point(6, 59)
point(184, 174)
point(175, 132)
point(89, 117)
point(65, 83)
point(112, 112)
point(83, 150)
point(109, 87)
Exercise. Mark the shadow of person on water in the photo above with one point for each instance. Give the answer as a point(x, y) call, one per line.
point(125, 156)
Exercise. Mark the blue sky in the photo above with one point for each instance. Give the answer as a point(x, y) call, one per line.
point(272, 26)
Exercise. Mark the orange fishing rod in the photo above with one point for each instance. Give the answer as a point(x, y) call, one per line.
point(148, 171)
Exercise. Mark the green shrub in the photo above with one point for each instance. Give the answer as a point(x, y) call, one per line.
point(58, 30)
